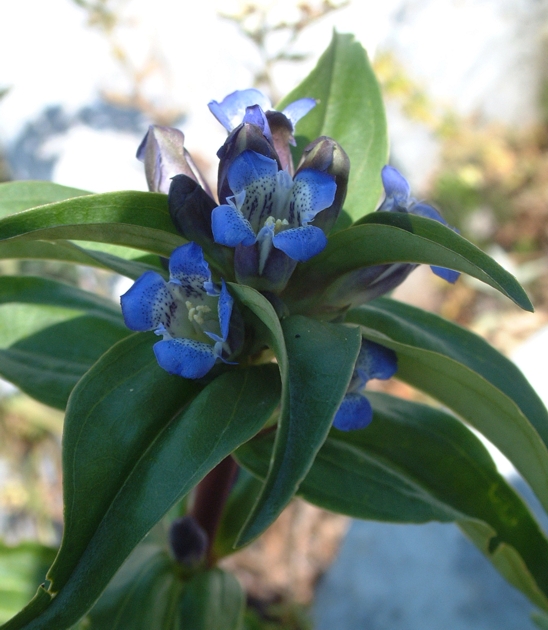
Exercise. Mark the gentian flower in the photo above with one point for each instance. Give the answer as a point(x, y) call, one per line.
point(190, 312)
point(267, 219)
point(398, 199)
point(374, 361)
point(253, 107)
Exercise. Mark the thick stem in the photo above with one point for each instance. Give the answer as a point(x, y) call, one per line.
point(210, 498)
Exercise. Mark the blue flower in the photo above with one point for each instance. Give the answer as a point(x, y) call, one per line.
point(251, 107)
point(374, 361)
point(398, 199)
point(191, 313)
point(267, 219)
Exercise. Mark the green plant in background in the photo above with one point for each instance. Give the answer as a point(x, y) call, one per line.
point(272, 320)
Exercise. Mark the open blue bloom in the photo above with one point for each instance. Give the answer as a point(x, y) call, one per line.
point(267, 218)
point(190, 312)
point(398, 199)
point(374, 361)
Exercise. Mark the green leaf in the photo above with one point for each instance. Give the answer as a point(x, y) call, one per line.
point(392, 237)
point(135, 219)
point(461, 371)
point(351, 111)
point(321, 358)
point(540, 620)
point(21, 569)
point(144, 594)
point(66, 251)
point(162, 440)
point(22, 195)
point(415, 463)
point(212, 600)
point(51, 334)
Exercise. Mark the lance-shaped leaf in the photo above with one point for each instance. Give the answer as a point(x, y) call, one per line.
point(51, 334)
point(394, 237)
point(415, 463)
point(124, 262)
point(316, 362)
point(350, 110)
point(136, 439)
point(464, 373)
point(134, 219)
point(22, 195)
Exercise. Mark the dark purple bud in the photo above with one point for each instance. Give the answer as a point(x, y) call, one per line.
point(188, 541)
point(245, 136)
point(326, 155)
point(272, 277)
point(282, 138)
point(164, 155)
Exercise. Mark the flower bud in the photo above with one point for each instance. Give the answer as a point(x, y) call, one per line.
point(188, 541)
point(326, 155)
point(164, 155)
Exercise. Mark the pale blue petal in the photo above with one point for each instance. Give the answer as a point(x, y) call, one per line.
point(185, 357)
point(145, 304)
point(375, 361)
point(224, 309)
point(296, 110)
point(230, 227)
point(254, 115)
point(163, 153)
point(301, 243)
point(231, 110)
point(447, 274)
point(355, 412)
point(188, 268)
point(424, 210)
point(313, 191)
point(395, 184)
point(252, 169)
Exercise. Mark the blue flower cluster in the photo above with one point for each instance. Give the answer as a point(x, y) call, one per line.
point(268, 218)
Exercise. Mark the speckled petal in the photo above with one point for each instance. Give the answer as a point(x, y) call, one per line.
point(185, 357)
point(355, 412)
point(301, 243)
point(231, 110)
point(146, 303)
point(188, 268)
point(251, 168)
point(230, 227)
point(296, 110)
point(313, 191)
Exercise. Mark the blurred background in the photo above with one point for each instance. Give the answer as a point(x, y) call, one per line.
point(466, 89)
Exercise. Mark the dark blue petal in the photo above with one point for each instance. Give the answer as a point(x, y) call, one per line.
point(146, 302)
point(254, 115)
point(395, 184)
point(250, 169)
point(224, 310)
point(447, 274)
point(189, 269)
point(231, 110)
point(313, 191)
point(424, 210)
point(301, 243)
point(230, 227)
point(355, 412)
point(375, 361)
point(296, 110)
point(185, 357)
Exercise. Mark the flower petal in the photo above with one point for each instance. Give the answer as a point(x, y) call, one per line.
point(224, 310)
point(355, 412)
point(447, 274)
point(230, 227)
point(301, 243)
point(313, 191)
point(146, 303)
point(231, 110)
point(424, 210)
point(375, 361)
point(254, 115)
point(185, 357)
point(188, 268)
point(296, 110)
point(252, 169)
point(395, 184)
